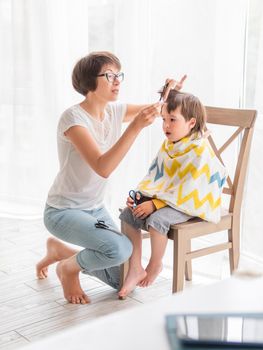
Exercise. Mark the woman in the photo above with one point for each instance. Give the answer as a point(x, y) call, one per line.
point(90, 148)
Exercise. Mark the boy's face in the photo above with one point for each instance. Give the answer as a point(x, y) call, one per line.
point(175, 126)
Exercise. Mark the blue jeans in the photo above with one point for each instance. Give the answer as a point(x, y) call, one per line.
point(104, 250)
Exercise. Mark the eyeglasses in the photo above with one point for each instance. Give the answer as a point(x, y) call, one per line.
point(111, 77)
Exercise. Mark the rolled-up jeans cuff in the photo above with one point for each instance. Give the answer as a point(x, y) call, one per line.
point(81, 264)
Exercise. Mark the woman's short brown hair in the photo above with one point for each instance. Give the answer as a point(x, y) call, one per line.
point(84, 75)
point(190, 107)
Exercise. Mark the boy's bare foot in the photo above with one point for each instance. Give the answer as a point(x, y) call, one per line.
point(71, 284)
point(153, 271)
point(134, 276)
point(56, 251)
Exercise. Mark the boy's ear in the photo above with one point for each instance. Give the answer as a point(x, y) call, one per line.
point(192, 123)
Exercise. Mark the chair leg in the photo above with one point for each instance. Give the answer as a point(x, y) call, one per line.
point(179, 262)
point(234, 252)
point(188, 264)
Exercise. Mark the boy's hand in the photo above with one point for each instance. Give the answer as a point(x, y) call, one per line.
point(130, 202)
point(144, 209)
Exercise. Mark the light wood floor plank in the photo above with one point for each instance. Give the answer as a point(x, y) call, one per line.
point(12, 340)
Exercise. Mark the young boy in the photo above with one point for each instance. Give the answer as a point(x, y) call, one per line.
point(184, 180)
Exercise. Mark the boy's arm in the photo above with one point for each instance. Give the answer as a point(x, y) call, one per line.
point(147, 208)
point(158, 203)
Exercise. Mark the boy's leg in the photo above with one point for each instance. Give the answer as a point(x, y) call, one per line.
point(158, 224)
point(136, 272)
point(154, 267)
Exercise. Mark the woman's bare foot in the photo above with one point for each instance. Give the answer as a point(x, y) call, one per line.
point(68, 273)
point(56, 251)
point(134, 276)
point(153, 270)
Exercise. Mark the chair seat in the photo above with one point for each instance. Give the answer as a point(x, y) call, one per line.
point(197, 227)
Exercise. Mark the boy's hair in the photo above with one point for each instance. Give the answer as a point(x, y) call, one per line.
point(190, 106)
point(84, 75)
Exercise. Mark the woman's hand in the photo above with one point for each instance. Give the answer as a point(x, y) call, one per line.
point(147, 115)
point(173, 84)
point(144, 209)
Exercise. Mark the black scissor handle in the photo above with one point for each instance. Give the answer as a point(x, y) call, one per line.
point(101, 224)
point(136, 196)
point(132, 194)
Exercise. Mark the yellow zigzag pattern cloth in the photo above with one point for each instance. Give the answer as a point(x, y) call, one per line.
point(187, 176)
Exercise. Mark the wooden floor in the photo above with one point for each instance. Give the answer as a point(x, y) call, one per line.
point(31, 308)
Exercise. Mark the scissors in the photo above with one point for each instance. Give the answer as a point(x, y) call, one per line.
point(136, 196)
point(162, 91)
point(101, 224)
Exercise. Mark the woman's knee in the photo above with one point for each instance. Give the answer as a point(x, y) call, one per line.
point(121, 250)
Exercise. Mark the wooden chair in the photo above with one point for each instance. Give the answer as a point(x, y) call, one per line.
point(182, 233)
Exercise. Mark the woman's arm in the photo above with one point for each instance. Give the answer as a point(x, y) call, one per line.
point(133, 110)
point(104, 164)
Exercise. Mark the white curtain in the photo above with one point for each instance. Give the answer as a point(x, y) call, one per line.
point(252, 209)
point(40, 42)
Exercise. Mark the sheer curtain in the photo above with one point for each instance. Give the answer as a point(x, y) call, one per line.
point(252, 209)
point(40, 43)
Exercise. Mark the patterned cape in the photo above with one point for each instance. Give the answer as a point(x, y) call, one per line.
point(187, 176)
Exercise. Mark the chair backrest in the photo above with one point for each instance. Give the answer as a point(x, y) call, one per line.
point(244, 120)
